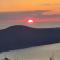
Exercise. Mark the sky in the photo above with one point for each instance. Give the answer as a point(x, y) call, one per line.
point(23, 5)
point(13, 10)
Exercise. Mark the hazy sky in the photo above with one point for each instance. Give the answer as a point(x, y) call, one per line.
point(21, 18)
point(23, 5)
point(13, 11)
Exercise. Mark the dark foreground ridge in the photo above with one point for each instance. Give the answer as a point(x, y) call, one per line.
point(19, 37)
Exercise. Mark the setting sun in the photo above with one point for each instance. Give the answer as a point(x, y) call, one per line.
point(30, 21)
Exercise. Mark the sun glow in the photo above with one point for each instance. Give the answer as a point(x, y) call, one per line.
point(30, 21)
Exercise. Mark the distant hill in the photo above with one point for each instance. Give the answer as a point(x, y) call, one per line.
point(19, 37)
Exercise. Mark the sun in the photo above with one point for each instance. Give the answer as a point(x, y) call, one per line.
point(30, 21)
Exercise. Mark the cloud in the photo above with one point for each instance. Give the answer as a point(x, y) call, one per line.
point(11, 18)
point(34, 53)
point(20, 15)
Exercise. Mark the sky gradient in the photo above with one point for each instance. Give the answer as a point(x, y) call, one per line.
point(21, 18)
point(25, 5)
point(45, 12)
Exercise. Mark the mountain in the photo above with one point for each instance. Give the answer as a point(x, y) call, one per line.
point(19, 37)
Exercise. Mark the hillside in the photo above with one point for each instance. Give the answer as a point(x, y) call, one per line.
point(19, 37)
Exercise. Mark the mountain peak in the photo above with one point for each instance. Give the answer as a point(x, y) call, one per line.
point(20, 36)
point(18, 26)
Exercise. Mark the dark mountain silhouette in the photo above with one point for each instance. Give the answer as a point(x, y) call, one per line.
point(19, 37)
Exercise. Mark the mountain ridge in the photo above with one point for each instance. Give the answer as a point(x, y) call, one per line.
point(19, 37)
point(19, 26)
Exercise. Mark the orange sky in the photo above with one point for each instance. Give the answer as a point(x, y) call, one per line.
point(24, 5)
